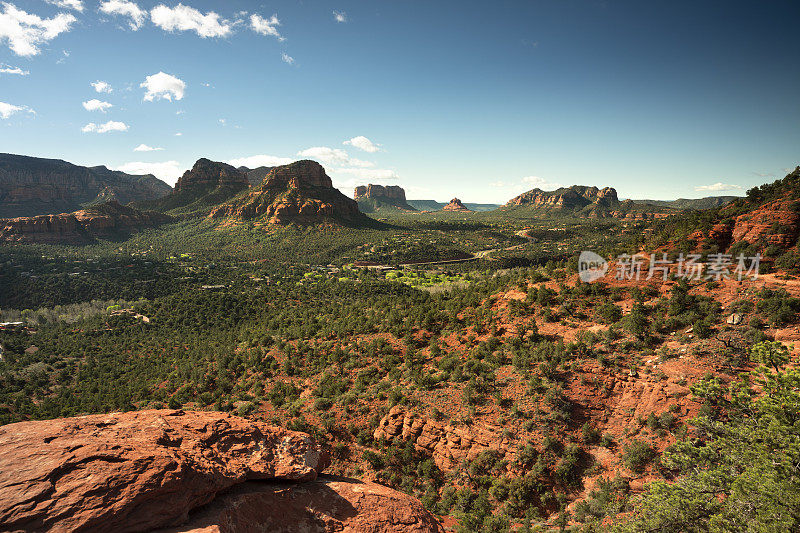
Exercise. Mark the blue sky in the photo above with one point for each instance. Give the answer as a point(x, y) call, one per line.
point(480, 100)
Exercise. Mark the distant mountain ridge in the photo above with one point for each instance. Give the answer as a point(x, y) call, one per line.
point(32, 186)
point(691, 203)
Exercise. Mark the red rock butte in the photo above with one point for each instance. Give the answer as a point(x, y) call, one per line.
point(455, 205)
point(207, 173)
point(393, 192)
point(307, 173)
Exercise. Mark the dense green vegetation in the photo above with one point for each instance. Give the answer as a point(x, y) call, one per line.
point(277, 323)
point(741, 469)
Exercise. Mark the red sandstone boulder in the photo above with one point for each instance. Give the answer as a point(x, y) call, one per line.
point(138, 471)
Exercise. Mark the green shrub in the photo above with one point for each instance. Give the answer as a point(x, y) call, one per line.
point(637, 455)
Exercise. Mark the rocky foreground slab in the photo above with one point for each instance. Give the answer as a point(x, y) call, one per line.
point(149, 470)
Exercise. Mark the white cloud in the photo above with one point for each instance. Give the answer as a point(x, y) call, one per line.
point(97, 105)
point(265, 26)
point(719, 186)
point(353, 162)
point(375, 174)
point(6, 110)
point(8, 69)
point(261, 160)
point(340, 16)
point(25, 32)
point(323, 154)
point(286, 58)
point(185, 18)
point(540, 183)
point(77, 5)
point(101, 86)
point(163, 85)
point(335, 157)
point(144, 148)
point(104, 128)
point(362, 143)
point(125, 8)
point(168, 171)
point(179, 134)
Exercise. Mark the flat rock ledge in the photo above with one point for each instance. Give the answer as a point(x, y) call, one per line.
point(150, 470)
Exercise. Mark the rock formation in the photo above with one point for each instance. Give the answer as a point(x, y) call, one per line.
point(107, 220)
point(207, 184)
point(455, 205)
point(300, 192)
point(391, 192)
point(372, 197)
point(207, 174)
point(255, 175)
point(325, 504)
point(307, 173)
point(145, 470)
point(32, 186)
point(448, 445)
point(574, 197)
point(768, 217)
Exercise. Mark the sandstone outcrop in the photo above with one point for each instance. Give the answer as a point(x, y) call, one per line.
point(32, 186)
point(300, 192)
point(392, 192)
point(255, 175)
point(139, 470)
point(574, 197)
point(775, 223)
point(326, 504)
point(106, 220)
point(448, 445)
point(207, 184)
point(769, 216)
point(455, 205)
point(372, 197)
point(207, 174)
point(175, 470)
point(307, 173)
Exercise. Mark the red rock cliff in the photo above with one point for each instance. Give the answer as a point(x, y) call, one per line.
point(82, 226)
point(32, 186)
